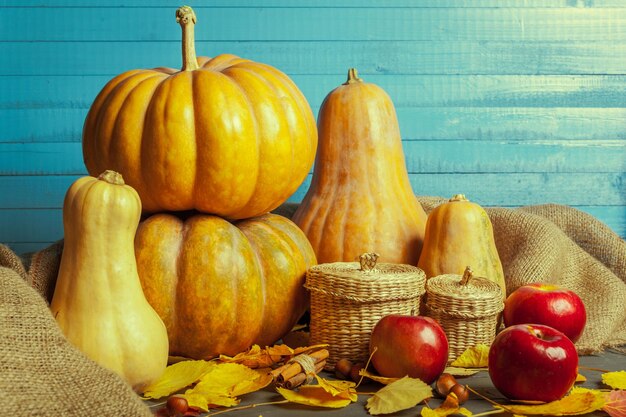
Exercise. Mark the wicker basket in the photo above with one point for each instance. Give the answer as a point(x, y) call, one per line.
point(348, 299)
point(467, 308)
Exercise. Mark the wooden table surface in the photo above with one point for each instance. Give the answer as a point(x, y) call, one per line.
point(609, 360)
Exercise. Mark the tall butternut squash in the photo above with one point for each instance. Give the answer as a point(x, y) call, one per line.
point(98, 301)
point(360, 198)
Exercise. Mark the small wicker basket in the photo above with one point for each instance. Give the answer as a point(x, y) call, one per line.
point(467, 308)
point(348, 299)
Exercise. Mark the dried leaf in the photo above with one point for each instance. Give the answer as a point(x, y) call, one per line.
point(474, 357)
point(579, 401)
point(381, 379)
point(615, 380)
point(255, 357)
point(457, 371)
point(223, 384)
point(449, 406)
point(313, 395)
point(338, 388)
point(616, 403)
point(399, 395)
point(178, 376)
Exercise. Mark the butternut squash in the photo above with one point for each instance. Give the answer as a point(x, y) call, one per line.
point(459, 233)
point(98, 301)
point(360, 199)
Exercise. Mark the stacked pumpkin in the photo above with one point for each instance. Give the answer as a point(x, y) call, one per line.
point(210, 150)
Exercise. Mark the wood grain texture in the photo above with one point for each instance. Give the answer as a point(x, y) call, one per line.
point(449, 57)
point(512, 102)
point(320, 24)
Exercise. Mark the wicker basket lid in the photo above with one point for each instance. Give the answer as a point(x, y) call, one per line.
point(366, 281)
point(464, 296)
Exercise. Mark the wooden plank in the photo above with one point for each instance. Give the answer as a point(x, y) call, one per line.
point(198, 4)
point(78, 92)
point(310, 23)
point(509, 189)
point(518, 189)
point(31, 225)
point(28, 230)
point(422, 156)
point(334, 58)
point(34, 192)
point(48, 158)
point(432, 123)
point(24, 248)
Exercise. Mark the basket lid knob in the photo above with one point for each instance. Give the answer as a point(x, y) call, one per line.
point(468, 274)
point(368, 261)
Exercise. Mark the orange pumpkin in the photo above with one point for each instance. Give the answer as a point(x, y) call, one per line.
point(226, 135)
point(360, 199)
point(218, 286)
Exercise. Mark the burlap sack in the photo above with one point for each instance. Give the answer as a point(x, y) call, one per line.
point(41, 374)
point(561, 245)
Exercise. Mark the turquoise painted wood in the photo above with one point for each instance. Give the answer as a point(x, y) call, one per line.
point(512, 102)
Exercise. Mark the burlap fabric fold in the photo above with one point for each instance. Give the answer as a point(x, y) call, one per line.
point(41, 374)
point(561, 245)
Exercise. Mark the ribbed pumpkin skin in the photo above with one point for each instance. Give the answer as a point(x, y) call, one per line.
point(234, 138)
point(219, 286)
point(360, 199)
point(459, 234)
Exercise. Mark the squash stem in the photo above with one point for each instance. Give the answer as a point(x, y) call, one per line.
point(186, 17)
point(112, 177)
point(353, 77)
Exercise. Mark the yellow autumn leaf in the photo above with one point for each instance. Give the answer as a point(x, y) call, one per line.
point(580, 378)
point(615, 380)
point(458, 371)
point(578, 401)
point(313, 395)
point(338, 388)
point(449, 406)
point(176, 377)
point(381, 379)
point(207, 400)
point(399, 395)
point(473, 357)
point(223, 384)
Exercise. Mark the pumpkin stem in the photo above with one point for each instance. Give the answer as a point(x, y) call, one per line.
point(353, 77)
point(112, 177)
point(459, 197)
point(186, 17)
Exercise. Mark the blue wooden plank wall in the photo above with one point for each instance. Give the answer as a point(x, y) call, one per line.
point(512, 102)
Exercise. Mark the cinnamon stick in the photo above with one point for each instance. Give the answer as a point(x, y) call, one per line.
point(289, 370)
point(299, 379)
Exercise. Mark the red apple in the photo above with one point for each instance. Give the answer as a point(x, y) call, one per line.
point(546, 304)
point(415, 346)
point(533, 362)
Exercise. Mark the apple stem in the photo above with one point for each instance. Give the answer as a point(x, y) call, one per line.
point(486, 413)
point(489, 400)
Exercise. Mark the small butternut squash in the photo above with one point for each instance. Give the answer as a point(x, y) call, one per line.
point(360, 198)
point(459, 233)
point(98, 301)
